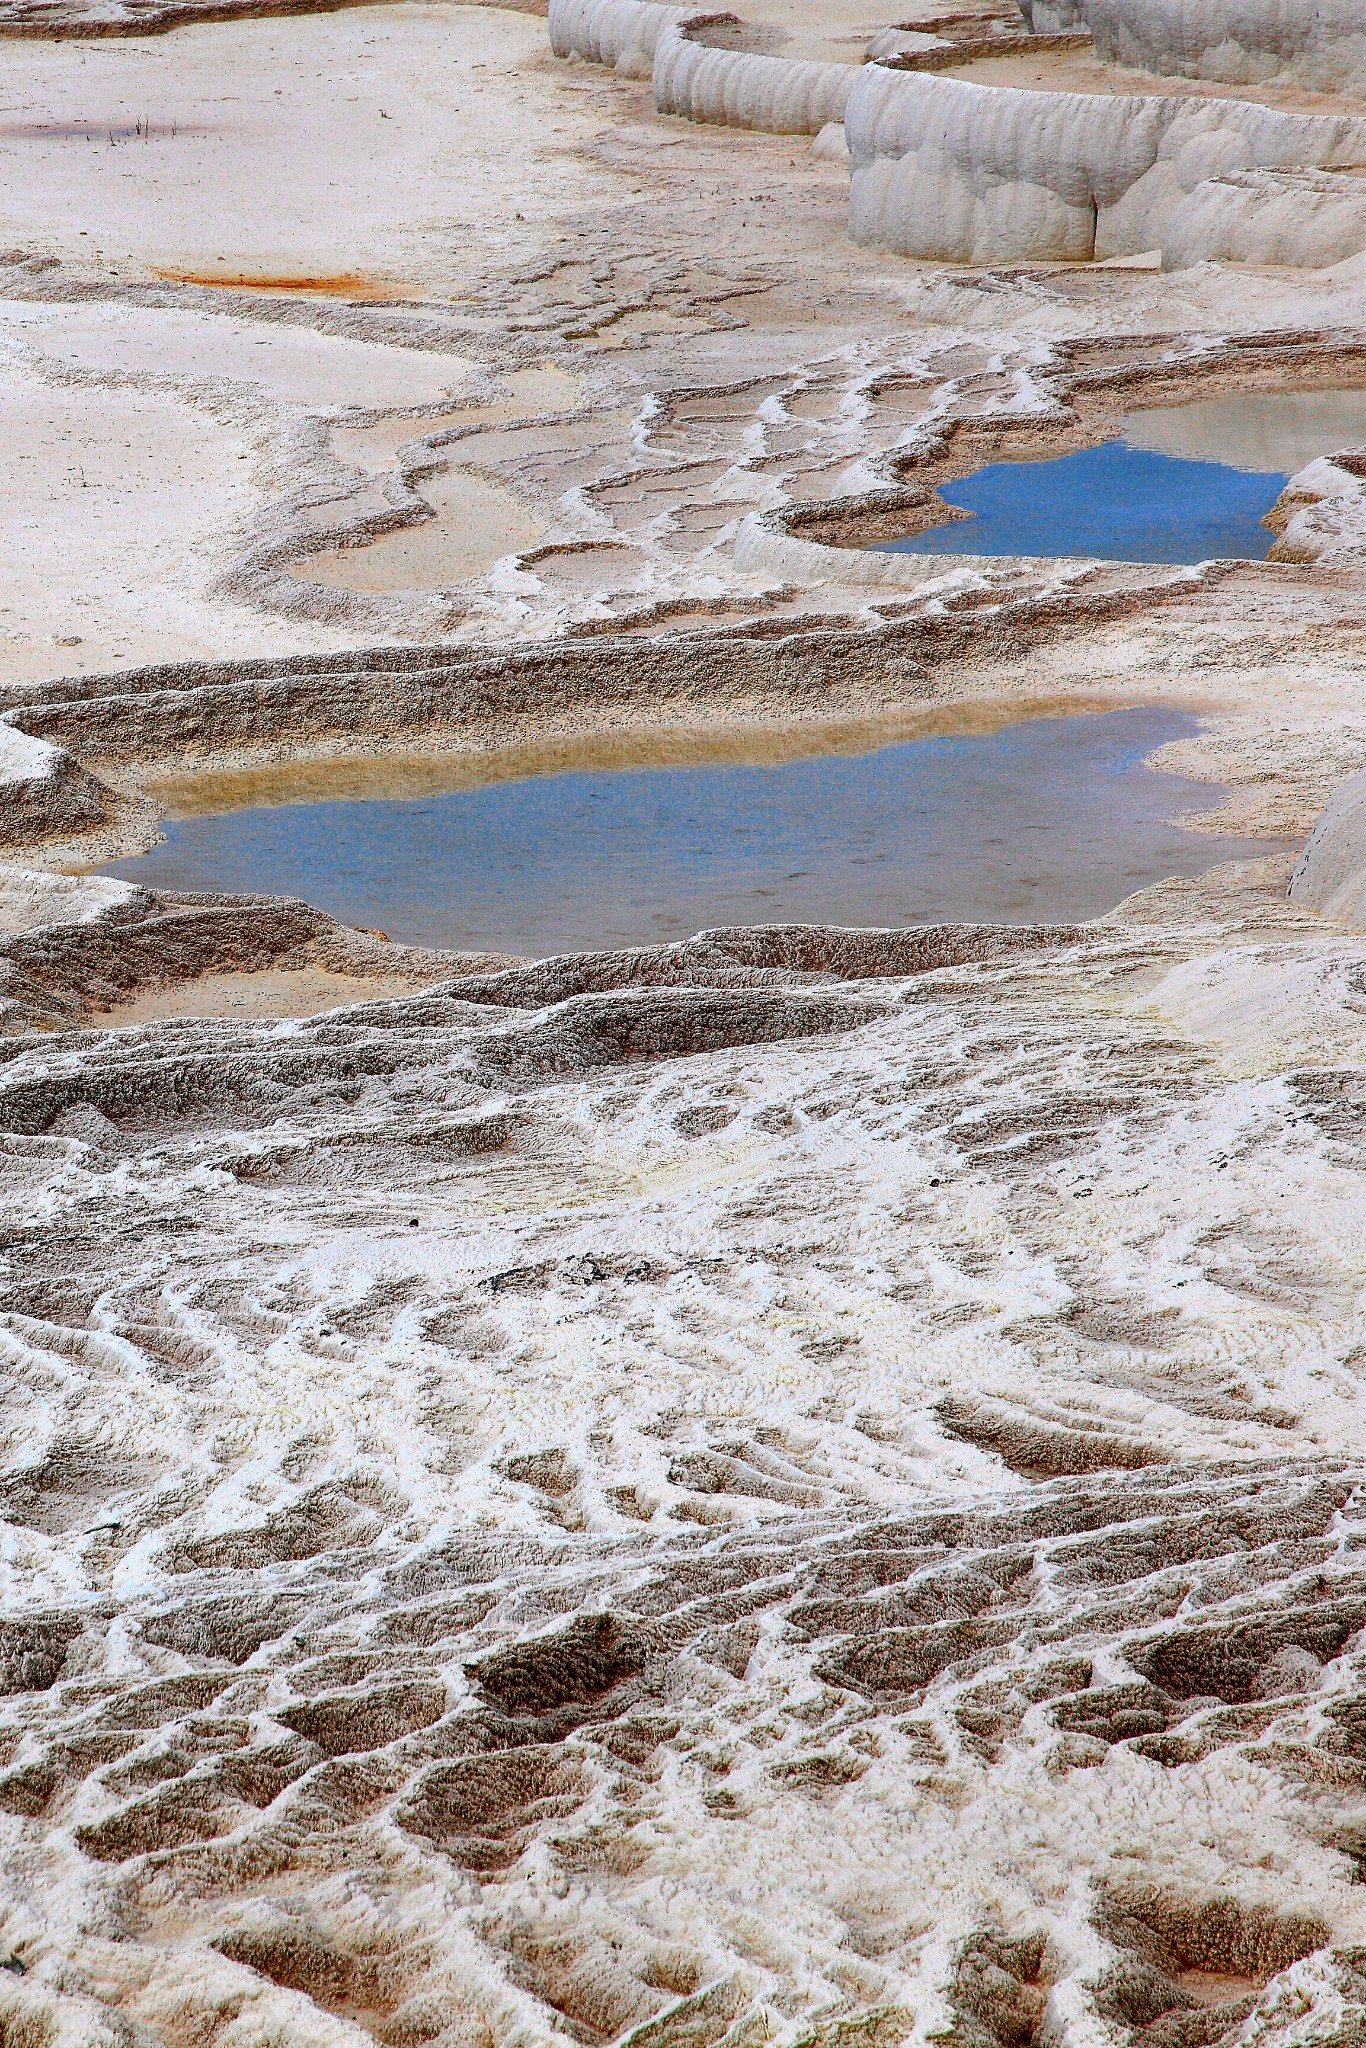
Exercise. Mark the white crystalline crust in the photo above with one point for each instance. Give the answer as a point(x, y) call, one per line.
point(798, 1487)
point(1322, 45)
point(946, 168)
point(1326, 504)
point(29, 900)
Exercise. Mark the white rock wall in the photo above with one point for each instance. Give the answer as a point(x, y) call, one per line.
point(735, 88)
point(949, 170)
point(622, 34)
point(1305, 218)
point(1330, 875)
point(1320, 43)
point(1324, 510)
point(781, 95)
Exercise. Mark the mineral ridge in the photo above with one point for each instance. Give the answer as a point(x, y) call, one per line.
point(800, 1487)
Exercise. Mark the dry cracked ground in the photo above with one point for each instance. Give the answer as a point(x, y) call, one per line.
point(800, 1488)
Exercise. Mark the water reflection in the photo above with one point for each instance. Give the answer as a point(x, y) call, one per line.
point(1048, 818)
point(1261, 431)
point(1114, 502)
point(1183, 483)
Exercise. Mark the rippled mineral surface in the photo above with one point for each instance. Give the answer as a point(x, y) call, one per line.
point(792, 1487)
point(797, 1487)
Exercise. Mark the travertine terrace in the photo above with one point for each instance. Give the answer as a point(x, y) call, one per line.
point(803, 1487)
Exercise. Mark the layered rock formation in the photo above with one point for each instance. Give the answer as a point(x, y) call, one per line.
point(76, 947)
point(46, 794)
point(741, 89)
point(949, 169)
point(1243, 41)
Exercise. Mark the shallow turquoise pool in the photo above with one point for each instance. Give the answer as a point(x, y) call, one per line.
point(1120, 503)
point(1049, 818)
point(1188, 483)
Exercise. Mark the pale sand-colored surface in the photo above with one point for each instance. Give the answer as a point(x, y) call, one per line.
point(528, 392)
point(476, 524)
point(373, 448)
point(170, 430)
point(296, 365)
point(114, 504)
point(361, 142)
point(270, 992)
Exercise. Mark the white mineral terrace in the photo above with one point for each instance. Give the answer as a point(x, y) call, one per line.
point(801, 1487)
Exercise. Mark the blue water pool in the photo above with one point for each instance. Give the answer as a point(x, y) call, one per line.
point(1118, 502)
point(1049, 818)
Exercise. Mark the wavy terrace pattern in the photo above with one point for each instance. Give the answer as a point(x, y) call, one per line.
point(802, 1487)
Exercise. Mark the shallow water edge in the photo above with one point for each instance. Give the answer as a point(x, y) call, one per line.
point(1011, 821)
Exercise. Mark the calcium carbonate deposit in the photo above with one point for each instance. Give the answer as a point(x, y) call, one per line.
point(800, 1487)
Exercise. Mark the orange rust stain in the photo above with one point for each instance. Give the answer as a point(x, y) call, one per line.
point(342, 284)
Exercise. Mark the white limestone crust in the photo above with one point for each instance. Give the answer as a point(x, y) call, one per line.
point(1309, 220)
point(945, 169)
point(1243, 41)
point(621, 34)
point(737, 89)
point(1323, 508)
point(30, 899)
point(763, 548)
